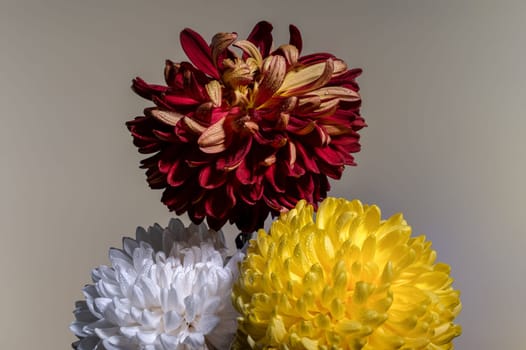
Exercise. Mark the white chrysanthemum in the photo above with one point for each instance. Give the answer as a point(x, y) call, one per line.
point(169, 289)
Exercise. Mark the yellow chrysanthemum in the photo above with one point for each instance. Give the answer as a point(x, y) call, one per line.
point(345, 279)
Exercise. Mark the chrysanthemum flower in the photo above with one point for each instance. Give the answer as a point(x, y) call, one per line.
point(169, 289)
point(236, 135)
point(344, 280)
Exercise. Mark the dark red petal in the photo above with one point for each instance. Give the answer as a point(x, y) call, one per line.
point(196, 158)
point(261, 36)
point(168, 137)
point(218, 203)
point(217, 114)
point(249, 218)
point(300, 126)
point(347, 79)
point(246, 174)
point(275, 178)
point(184, 133)
point(332, 171)
point(306, 158)
point(193, 88)
point(210, 178)
point(155, 179)
point(178, 199)
point(273, 140)
point(315, 58)
point(305, 187)
point(295, 37)
point(233, 159)
point(179, 173)
point(272, 202)
point(198, 52)
point(170, 72)
point(215, 223)
point(250, 194)
point(197, 213)
point(329, 155)
point(159, 102)
point(180, 100)
point(145, 90)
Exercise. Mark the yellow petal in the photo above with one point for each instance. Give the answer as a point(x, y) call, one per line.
point(213, 89)
point(290, 52)
point(306, 79)
point(250, 49)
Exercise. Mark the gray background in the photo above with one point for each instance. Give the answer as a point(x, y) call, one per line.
point(444, 97)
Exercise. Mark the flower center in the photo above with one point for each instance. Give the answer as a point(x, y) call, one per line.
point(239, 77)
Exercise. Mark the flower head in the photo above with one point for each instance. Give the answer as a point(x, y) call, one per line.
point(344, 280)
point(169, 289)
point(236, 135)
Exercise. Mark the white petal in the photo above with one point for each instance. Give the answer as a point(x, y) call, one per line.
point(150, 291)
point(102, 304)
point(88, 343)
point(210, 305)
point(151, 319)
point(190, 305)
point(206, 324)
point(189, 258)
point(118, 343)
point(170, 299)
point(147, 337)
point(170, 341)
point(195, 340)
point(118, 257)
point(137, 297)
point(104, 333)
point(129, 245)
point(172, 321)
point(130, 331)
point(78, 329)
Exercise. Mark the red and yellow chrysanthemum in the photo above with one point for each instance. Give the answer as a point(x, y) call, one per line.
point(243, 129)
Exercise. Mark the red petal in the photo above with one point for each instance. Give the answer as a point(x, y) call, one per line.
point(329, 155)
point(145, 90)
point(198, 52)
point(295, 37)
point(159, 102)
point(178, 199)
point(347, 79)
point(234, 159)
point(210, 178)
point(246, 174)
point(252, 193)
point(306, 158)
point(155, 179)
point(261, 36)
point(180, 100)
point(274, 179)
point(218, 203)
point(315, 58)
point(178, 174)
point(170, 72)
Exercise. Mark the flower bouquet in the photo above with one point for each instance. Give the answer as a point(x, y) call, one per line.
point(243, 131)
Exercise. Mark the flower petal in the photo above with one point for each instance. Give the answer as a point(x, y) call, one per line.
point(295, 37)
point(198, 52)
point(261, 36)
point(212, 140)
point(220, 42)
point(306, 79)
